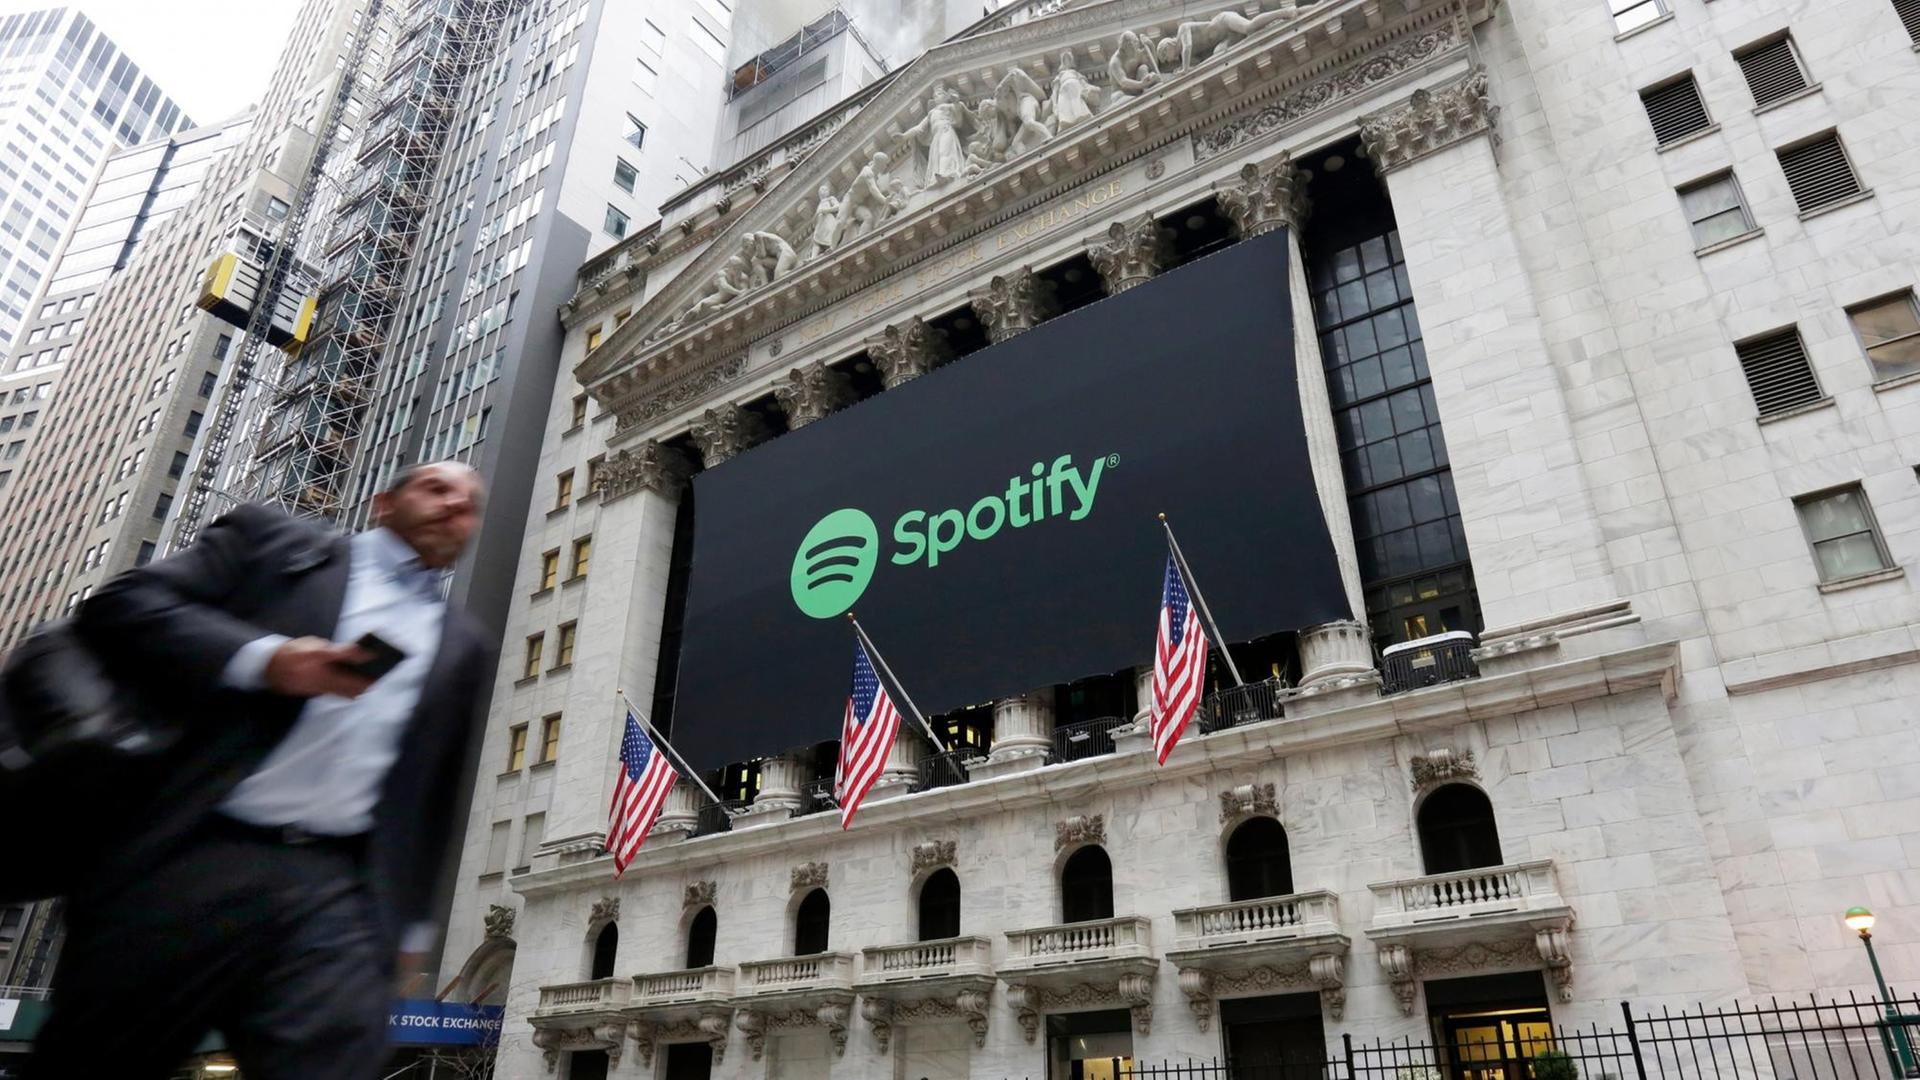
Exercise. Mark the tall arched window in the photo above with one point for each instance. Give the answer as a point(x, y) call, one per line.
point(605, 947)
point(1257, 861)
point(810, 924)
point(700, 935)
point(940, 906)
point(1457, 830)
point(1086, 886)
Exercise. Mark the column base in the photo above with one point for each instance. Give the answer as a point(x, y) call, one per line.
point(1014, 760)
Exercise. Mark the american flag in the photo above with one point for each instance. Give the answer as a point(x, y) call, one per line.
point(638, 794)
point(1179, 663)
point(866, 735)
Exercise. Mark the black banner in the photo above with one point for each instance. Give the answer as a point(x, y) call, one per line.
point(993, 522)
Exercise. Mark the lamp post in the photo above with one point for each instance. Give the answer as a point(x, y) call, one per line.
point(1894, 1034)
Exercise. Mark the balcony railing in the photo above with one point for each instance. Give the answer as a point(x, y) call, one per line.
point(928, 959)
point(1073, 943)
point(1088, 738)
point(599, 995)
point(718, 817)
point(1466, 894)
point(1272, 918)
point(683, 987)
point(1238, 705)
point(821, 971)
point(1428, 661)
point(948, 769)
point(816, 797)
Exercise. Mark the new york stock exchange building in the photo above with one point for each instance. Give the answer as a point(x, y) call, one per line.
point(1532, 388)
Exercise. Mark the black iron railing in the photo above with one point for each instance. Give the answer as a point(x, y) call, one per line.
point(717, 817)
point(1429, 661)
point(1088, 738)
point(1238, 705)
point(816, 797)
point(947, 769)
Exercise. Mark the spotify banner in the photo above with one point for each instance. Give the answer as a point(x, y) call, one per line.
point(993, 523)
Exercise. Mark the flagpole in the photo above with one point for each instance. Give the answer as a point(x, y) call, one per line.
point(1200, 602)
point(925, 728)
point(665, 746)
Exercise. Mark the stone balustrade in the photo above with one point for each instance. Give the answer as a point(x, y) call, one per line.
point(928, 960)
point(821, 971)
point(595, 996)
point(1118, 938)
point(691, 986)
point(1466, 894)
point(1271, 918)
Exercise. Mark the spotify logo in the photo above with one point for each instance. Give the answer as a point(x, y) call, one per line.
point(834, 562)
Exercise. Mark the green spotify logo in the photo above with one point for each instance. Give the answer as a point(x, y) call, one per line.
point(834, 562)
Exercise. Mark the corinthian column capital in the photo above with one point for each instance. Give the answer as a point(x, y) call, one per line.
point(1014, 302)
point(1430, 121)
point(1263, 197)
point(908, 350)
point(811, 392)
point(646, 467)
point(726, 430)
point(1134, 251)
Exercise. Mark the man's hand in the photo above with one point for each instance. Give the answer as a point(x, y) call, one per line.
point(310, 666)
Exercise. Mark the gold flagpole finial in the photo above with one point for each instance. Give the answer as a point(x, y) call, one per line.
point(1162, 517)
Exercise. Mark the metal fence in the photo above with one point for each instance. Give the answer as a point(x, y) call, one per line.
point(947, 769)
point(1241, 705)
point(1088, 738)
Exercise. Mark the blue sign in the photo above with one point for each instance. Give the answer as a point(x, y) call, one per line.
point(416, 1022)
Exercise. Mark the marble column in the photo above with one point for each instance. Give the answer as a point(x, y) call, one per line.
point(1132, 252)
point(681, 813)
point(902, 770)
point(1011, 303)
point(779, 796)
point(1261, 198)
point(908, 350)
point(811, 392)
point(726, 430)
point(1022, 735)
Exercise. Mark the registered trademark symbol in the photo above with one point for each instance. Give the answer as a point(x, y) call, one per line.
point(1112, 460)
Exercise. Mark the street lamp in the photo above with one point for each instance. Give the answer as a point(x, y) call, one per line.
point(1899, 1053)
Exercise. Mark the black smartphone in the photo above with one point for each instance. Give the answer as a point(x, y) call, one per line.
point(385, 656)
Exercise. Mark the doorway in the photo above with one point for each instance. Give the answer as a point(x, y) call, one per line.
point(1491, 1026)
point(1279, 1037)
point(1090, 1045)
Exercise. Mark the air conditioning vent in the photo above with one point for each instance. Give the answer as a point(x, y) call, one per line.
point(1909, 11)
point(1819, 173)
point(1778, 372)
point(1772, 71)
point(1675, 110)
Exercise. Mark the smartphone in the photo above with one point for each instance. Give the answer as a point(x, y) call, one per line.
point(385, 656)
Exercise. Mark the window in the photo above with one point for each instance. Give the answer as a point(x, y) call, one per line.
point(1909, 11)
point(645, 76)
point(207, 379)
point(1257, 861)
point(145, 554)
point(606, 949)
point(563, 656)
point(162, 505)
point(531, 834)
point(179, 466)
point(940, 906)
point(1840, 526)
point(616, 222)
point(1818, 172)
point(1772, 69)
point(1633, 14)
point(579, 418)
point(536, 644)
point(624, 175)
point(636, 133)
point(1456, 830)
point(516, 747)
point(563, 490)
point(549, 738)
point(29, 418)
point(593, 338)
point(1889, 330)
point(549, 569)
point(582, 555)
point(1086, 886)
point(497, 847)
point(810, 924)
point(1715, 210)
point(1675, 109)
point(1778, 372)
point(193, 424)
point(700, 936)
point(276, 209)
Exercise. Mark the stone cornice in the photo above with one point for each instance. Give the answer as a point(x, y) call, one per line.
point(1644, 667)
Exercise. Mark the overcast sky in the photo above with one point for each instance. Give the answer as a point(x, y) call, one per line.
point(212, 56)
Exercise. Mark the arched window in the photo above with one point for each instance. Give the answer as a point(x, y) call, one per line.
point(700, 936)
point(810, 924)
point(1257, 862)
point(940, 906)
point(605, 947)
point(1457, 830)
point(1086, 886)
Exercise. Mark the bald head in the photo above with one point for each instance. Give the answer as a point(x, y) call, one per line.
point(434, 507)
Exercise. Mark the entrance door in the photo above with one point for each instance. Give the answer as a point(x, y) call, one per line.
point(1090, 1045)
point(1496, 1045)
point(1274, 1038)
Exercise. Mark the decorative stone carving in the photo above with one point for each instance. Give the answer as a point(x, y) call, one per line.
point(940, 132)
point(884, 1014)
point(1079, 831)
point(1396, 962)
point(732, 279)
point(833, 1016)
point(709, 1027)
point(1072, 98)
point(1020, 106)
point(931, 856)
point(1248, 800)
point(649, 466)
point(608, 1036)
point(811, 875)
point(1197, 42)
point(908, 350)
point(699, 894)
point(1133, 990)
point(677, 393)
point(1132, 70)
point(1134, 251)
point(726, 430)
point(1326, 93)
point(769, 258)
point(1442, 764)
point(499, 921)
point(757, 1024)
point(1203, 988)
point(604, 910)
point(866, 204)
point(878, 1013)
point(1198, 986)
point(809, 393)
point(1013, 302)
point(1551, 942)
point(1329, 970)
point(1430, 121)
point(1265, 197)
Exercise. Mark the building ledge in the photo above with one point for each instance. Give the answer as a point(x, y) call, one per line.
point(1731, 241)
point(1788, 100)
point(1909, 379)
point(1797, 410)
point(1891, 573)
point(1710, 129)
point(1859, 197)
point(1643, 28)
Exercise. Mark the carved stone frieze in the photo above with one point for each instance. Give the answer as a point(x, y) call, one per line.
point(554, 1041)
point(1405, 966)
point(1440, 765)
point(932, 855)
point(1248, 800)
point(1134, 251)
point(1014, 302)
point(1080, 830)
point(1133, 990)
point(499, 921)
point(678, 392)
point(1265, 197)
point(710, 1027)
point(725, 431)
point(1204, 987)
point(908, 350)
point(699, 894)
point(811, 875)
point(649, 466)
point(604, 910)
point(810, 392)
point(970, 1004)
point(757, 1024)
point(1430, 121)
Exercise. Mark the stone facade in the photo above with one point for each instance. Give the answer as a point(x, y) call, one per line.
point(1697, 754)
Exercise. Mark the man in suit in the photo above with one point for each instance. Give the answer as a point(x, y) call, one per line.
point(268, 881)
